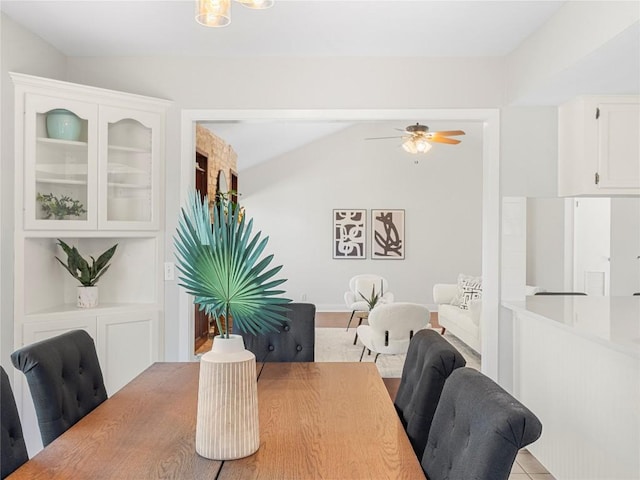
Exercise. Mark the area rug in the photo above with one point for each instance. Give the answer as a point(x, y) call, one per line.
point(336, 345)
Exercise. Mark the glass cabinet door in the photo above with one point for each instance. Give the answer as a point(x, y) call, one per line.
point(129, 170)
point(60, 168)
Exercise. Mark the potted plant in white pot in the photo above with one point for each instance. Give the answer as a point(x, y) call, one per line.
point(373, 299)
point(221, 266)
point(87, 274)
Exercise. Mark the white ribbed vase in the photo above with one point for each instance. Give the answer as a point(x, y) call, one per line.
point(227, 422)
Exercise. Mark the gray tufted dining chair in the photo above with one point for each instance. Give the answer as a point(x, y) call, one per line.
point(477, 430)
point(14, 450)
point(64, 378)
point(294, 342)
point(429, 362)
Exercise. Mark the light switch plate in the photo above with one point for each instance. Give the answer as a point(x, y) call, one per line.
point(169, 271)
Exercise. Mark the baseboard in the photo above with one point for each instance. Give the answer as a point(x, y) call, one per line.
point(328, 308)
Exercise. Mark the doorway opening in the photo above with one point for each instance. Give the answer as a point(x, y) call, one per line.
point(490, 119)
point(201, 319)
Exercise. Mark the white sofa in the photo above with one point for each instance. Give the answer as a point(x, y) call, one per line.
point(464, 324)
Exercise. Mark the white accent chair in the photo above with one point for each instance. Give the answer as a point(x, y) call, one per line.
point(391, 328)
point(363, 284)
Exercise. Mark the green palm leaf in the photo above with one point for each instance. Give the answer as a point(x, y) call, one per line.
point(221, 266)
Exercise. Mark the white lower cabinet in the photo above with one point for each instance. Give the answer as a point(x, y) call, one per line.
point(126, 342)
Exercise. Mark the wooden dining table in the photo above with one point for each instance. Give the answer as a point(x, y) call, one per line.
point(317, 420)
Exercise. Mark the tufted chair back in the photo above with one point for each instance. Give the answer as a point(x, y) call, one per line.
point(14, 450)
point(430, 360)
point(65, 380)
point(477, 430)
point(295, 341)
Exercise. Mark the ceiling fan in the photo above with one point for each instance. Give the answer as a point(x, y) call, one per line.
point(417, 138)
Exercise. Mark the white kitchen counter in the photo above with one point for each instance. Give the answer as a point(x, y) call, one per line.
point(611, 321)
point(576, 365)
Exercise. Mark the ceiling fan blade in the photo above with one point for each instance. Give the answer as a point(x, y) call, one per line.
point(451, 141)
point(448, 133)
point(380, 138)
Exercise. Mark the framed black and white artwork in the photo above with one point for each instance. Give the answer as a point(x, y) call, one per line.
point(349, 233)
point(387, 234)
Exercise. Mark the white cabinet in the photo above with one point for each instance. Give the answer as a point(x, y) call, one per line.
point(127, 344)
point(599, 146)
point(58, 172)
point(99, 155)
point(92, 157)
point(129, 172)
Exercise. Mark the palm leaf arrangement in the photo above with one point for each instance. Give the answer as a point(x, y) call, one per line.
point(220, 266)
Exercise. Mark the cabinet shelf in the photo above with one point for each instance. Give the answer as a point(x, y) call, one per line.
point(81, 169)
point(62, 168)
point(62, 143)
point(71, 308)
point(123, 148)
point(114, 167)
point(129, 185)
point(61, 181)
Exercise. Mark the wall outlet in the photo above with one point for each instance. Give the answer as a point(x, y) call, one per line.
point(169, 271)
point(303, 297)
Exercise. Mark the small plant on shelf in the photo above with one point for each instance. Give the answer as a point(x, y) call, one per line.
point(79, 268)
point(59, 208)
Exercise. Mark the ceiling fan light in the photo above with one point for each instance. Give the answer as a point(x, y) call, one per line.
point(409, 146)
point(213, 13)
point(416, 145)
point(422, 145)
point(257, 4)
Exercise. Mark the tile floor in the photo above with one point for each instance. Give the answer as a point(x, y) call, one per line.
point(527, 467)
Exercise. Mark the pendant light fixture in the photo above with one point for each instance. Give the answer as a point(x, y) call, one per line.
point(217, 13)
point(257, 4)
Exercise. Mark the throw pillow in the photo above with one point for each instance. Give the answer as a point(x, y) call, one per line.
point(468, 286)
point(471, 291)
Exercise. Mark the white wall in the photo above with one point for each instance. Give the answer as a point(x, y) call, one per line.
point(298, 83)
point(291, 199)
point(625, 246)
point(528, 151)
point(546, 243)
point(36, 57)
